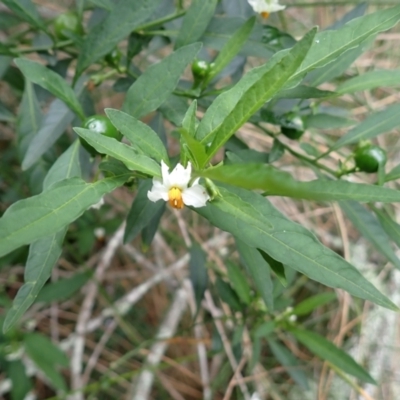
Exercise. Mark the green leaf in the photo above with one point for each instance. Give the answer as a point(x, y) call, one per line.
point(372, 126)
point(151, 228)
point(327, 121)
point(43, 253)
point(106, 4)
point(141, 136)
point(195, 22)
point(120, 151)
point(47, 213)
point(46, 356)
point(338, 66)
point(231, 48)
point(252, 219)
point(391, 227)
point(367, 224)
point(66, 166)
point(157, 83)
point(304, 92)
point(50, 81)
point(219, 32)
point(329, 352)
point(63, 289)
point(265, 329)
point(190, 122)
point(21, 384)
point(227, 294)
point(259, 87)
point(329, 45)
point(259, 271)
point(198, 272)
point(54, 124)
point(370, 80)
point(142, 211)
point(239, 282)
point(280, 183)
point(276, 266)
point(125, 17)
point(29, 118)
point(25, 10)
point(313, 302)
point(174, 109)
point(288, 360)
point(196, 150)
point(393, 174)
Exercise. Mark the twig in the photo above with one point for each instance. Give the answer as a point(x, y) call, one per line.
point(86, 310)
point(97, 351)
point(234, 381)
point(124, 305)
point(217, 314)
point(144, 382)
point(201, 348)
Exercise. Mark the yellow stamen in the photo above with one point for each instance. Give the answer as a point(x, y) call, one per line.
point(265, 14)
point(175, 198)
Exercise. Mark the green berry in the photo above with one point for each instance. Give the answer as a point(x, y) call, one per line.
point(102, 125)
point(67, 23)
point(369, 158)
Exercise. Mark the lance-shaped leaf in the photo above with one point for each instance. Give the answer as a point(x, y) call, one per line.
point(280, 183)
point(26, 10)
point(231, 49)
point(47, 213)
point(328, 351)
point(260, 272)
point(251, 218)
point(141, 136)
point(372, 126)
point(328, 45)
point(120, 151)
point(44, 253)
point(195, 22)
point(155, 85)
point(245, 98)
point(368, 225)
point(125, 17)
point(391, 227)
point(50, 81)
point(29, 118)
point(198, 272)
point(54, 124)
point(370, 80)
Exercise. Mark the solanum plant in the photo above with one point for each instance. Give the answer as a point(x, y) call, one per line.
point(202, 165)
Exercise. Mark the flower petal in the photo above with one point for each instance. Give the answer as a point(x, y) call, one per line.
point(195, 196)
point(268, 6)
point(158, 192)
point(165, 174)
point(180, 176)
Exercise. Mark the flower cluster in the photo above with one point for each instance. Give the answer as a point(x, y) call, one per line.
point(266, 7)
point(174, 188)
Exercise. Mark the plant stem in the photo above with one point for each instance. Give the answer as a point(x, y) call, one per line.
point(161, 21)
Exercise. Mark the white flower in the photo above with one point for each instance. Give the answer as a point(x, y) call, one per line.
point(266, 7)
point(98, 205)
point(174, 188)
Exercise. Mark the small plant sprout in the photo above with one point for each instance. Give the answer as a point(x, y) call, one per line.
point(266, 7)
point(174, 188)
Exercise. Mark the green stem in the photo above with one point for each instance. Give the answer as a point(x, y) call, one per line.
point(298, 155)
point(160, 21)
